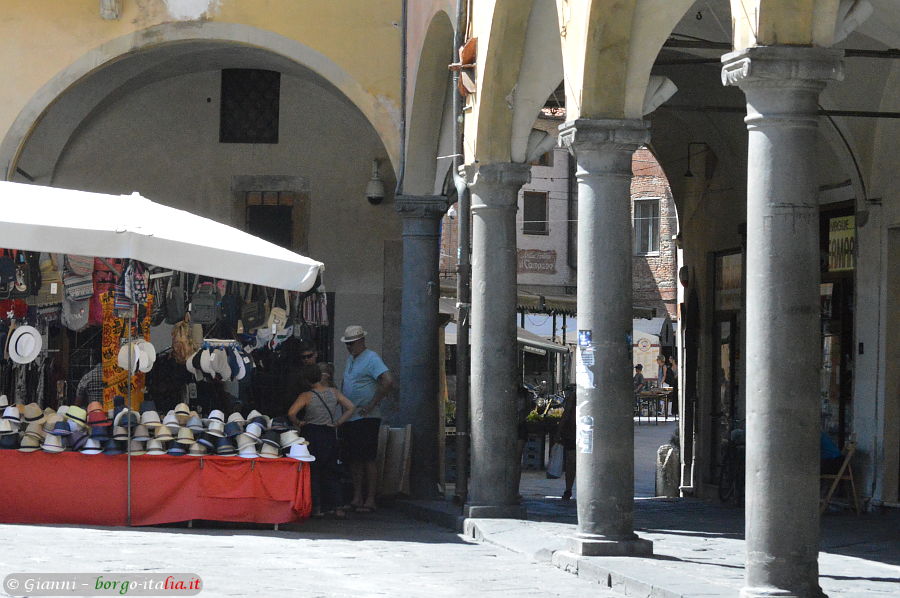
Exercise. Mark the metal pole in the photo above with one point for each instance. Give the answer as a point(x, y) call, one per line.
point(128, 420)
point(463, 275)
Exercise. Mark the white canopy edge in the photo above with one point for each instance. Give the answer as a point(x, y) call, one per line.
point(38, 218)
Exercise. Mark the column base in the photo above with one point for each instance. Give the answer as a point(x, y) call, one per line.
point(494, 511)
point(589, 545)
point(769, 592)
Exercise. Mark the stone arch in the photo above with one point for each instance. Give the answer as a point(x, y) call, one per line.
point(428, 106)
point(381, 112)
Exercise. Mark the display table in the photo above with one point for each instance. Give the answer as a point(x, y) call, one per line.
point(67, 487)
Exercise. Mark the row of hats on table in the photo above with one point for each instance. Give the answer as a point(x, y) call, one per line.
point(182, 431)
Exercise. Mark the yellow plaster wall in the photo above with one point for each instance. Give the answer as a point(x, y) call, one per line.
point(38, 40)
point(783, 22)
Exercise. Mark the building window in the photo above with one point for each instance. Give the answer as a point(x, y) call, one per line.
point(535, 213)
point(249, 106)
point(646, 226)
point(270, 216)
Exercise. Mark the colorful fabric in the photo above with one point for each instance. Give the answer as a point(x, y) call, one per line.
point(115, 380)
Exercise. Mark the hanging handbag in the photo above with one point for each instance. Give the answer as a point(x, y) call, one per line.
point(50, 289)
point(158, 315)
point(278, 317)
point(205, 304)
point(231, 307)
point(253, 312)
point(7, 272)
point(175, 300)
point(75, 313)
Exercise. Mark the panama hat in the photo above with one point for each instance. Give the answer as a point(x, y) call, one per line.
point(127, 419)
point(185, 436)
point(171, 421)
point(353, 333)
point(225, 447)
point(9, 441)
point(92, 446)
point(53, 444)
point(34, 430)
point(219, 364)
point(77, 439)
point(280, 424)
point(136, 447)
point(155, 447)
point(208, 442)
point(206, 362)
point(61, 411)
point(12, 414)
point(176, 449)
point(290, 438)
point(253, 415)
point(100, 433)
point(4, 401)
point(61, 428)
point(254, 431)
point(245, 441)
point(236, 417)
point(141, 433)
point(29, 444)
point(301, 453)
point(248, 452)
point(216, 428)
point(271, 437)
point(122, 359)
point(98, 418)
point(76, 414)
point(50, 422)
point(197, 450)
point(148, 355)
point(150, 419)
point(182, 413)
point(33, 414)
point(163, 433)
point(195, 423)
point(270, 451)
point(217, 415)
point(120, 433)
point(7, 427)
point(24, 344)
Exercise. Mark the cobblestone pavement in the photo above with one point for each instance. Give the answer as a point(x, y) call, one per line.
point(380, 554)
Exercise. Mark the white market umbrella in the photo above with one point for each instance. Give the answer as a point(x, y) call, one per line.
point(38, 218)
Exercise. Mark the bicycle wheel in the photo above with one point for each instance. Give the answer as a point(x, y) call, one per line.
point(727, 475)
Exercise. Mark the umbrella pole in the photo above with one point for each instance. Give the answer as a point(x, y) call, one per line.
point(130, 374)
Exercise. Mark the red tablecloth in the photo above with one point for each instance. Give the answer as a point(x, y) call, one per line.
point(41, 487)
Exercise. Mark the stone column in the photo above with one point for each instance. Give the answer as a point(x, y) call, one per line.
point(494, 483)
point(419, 336)
point(605, 451)
point(782, 85)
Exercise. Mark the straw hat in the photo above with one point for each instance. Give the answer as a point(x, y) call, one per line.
point(50, 422)
point(253, 414)
point(126, 419)
point(155, 447)
point(272, 437)
point(197, 450)
point(176, 449)
point(269, 451)
point(248, 452)
point(171, 421)
point(216, 428)
point(233, 429)
point(236, 417)
point(7, 427)
point(76, 414)
point(300, 452)
point(353, 333)
point(185, 436)
point(61, 428)
point(35, 430)
point(208, 442)
point(53, 444)
point(290, 438)
point(12, 414)
point(136, 447)
point(182, 413)
point(217, 415)
point(163, 434)
point(77, 439)
point(245, 441)
point(141, 433)
point(195, 423)
point(92, 447)
point(4, 401)
point(29, 444)
point(120, 433)
point(254, 431)
point(280, 424)
point(33, 413)
point(150, 419)
point(122, 359)
point(24, 344)
point(225, 448)
point(98, 418)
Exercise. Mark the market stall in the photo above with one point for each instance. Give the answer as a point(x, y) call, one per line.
point(116, 269)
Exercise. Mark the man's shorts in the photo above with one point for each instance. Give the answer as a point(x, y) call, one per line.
point(359, 439)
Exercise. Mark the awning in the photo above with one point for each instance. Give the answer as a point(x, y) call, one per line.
point(560, 304)
point(38, 218)
point(523, 337)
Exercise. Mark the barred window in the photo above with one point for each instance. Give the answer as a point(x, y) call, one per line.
point(535, 213)
point(249, 106)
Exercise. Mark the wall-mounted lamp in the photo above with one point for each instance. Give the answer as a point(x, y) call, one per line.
point(375, 186)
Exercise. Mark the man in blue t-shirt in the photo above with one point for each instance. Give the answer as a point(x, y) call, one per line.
point(366, 382)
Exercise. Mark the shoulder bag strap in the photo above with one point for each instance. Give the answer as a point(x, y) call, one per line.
point(324, 404)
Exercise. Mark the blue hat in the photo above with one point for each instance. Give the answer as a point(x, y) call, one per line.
point(77, 439)
point(273, 438)
point(9, 441)
point(206, 440)
point(100, 433)
point(61, 428)
point(112, 448)
point(176, 450)
point(233, 429)
point(280, 424)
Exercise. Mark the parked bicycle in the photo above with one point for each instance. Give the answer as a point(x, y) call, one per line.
point(732, 469)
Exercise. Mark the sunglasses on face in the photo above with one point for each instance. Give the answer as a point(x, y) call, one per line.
point(307, 356)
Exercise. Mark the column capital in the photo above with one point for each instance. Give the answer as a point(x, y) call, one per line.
point(782, 66)
point(504, 177)
point(421, 206)
point(618, 134)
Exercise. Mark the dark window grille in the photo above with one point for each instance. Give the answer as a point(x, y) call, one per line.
point(535, 213)
point(249, 106)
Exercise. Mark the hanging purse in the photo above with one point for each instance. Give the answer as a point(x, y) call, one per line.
point(253, 312)
point(278, 317)
point(175, 300)
point(205, 304)
point(22, 285)
point(158, 316)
